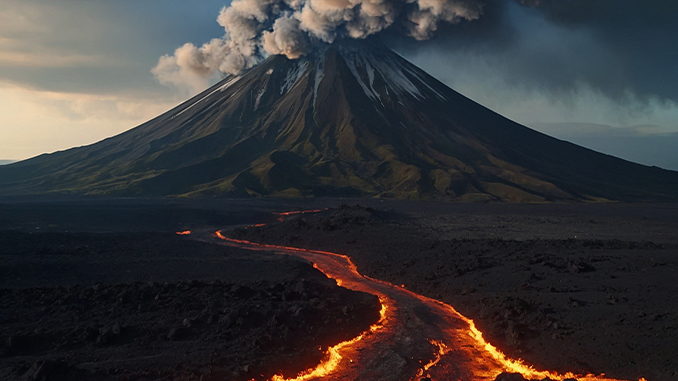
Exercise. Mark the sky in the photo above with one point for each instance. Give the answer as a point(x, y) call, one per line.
point(599, 73)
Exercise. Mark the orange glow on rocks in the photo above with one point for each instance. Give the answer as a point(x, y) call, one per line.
point(255, 226)
point(518, 366)
point(411, 324)
point(442, 350)
point(334, 356)
point(282, 215)
point(186, 232)
point(299, 212)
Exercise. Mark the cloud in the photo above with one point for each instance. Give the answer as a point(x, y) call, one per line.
point(36, 122)
point(644, 144)
point(30, 28)
point(286, 39)
point(190, 68)
point(640, 36)
point(48, 59)
point(622, 49)
point(75, 72)
point(95, 46)
point(255, 29)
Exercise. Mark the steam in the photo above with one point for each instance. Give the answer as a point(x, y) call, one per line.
point(255, 29)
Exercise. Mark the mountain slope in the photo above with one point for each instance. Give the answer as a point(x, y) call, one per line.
point(354, 119)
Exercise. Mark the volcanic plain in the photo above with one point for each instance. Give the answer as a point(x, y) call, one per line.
point(106, 289)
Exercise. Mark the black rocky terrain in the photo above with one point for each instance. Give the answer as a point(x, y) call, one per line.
point(268, 315)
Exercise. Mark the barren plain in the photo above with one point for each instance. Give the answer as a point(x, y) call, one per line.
point(106, 289)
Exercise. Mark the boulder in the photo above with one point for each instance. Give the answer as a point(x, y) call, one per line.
point(510, 377)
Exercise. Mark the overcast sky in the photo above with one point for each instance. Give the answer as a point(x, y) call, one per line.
point(600, 73)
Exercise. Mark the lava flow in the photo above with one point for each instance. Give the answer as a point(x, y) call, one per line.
point(282, 215)
point(299, 212)
point(186, 232)
point(413, 330)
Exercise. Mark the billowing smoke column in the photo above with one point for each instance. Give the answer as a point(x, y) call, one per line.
point(258, 28)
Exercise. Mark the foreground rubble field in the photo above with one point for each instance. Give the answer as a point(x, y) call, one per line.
point(279, 319)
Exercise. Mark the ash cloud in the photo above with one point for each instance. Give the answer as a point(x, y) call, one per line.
point(255, 29)
point(286, 38)
point(622, 50)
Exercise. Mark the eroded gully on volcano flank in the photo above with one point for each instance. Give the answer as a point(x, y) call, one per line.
point(417, 337)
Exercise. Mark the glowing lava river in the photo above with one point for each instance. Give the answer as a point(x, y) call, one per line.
point(417, 337)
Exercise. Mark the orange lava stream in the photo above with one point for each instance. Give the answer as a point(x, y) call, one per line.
point(459, 337)
point(333, 356)
point(187, 232)
point(442, 350)
point(255, 226)
point(299, 212)
point(518, 366)
point(282, 215)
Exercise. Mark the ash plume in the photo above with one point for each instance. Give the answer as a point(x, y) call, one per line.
point(255, 29)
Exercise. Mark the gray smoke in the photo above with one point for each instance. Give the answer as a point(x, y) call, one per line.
point(255, 29)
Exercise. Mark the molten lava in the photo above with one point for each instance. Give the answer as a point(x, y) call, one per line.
point(333, 356)
point(442, 350)
point(282, 215)
point(413, 330)
point(186, 232)
point(299, 212)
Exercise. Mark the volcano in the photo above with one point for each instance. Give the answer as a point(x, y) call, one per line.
point(352, 119)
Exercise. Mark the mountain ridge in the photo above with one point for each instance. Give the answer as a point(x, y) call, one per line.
point(353, 119)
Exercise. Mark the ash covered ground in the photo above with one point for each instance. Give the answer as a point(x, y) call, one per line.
point(103, 289)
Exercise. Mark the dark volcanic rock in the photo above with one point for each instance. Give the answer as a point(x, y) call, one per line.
point(171, 331)
point(510, 377)
point(58, 371)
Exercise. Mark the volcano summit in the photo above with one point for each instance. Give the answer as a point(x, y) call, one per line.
point(351, 119)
